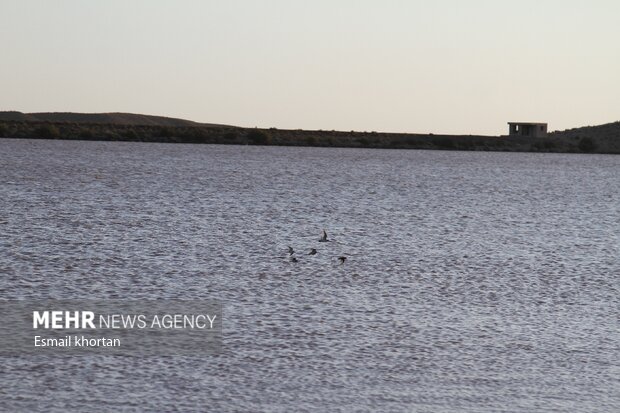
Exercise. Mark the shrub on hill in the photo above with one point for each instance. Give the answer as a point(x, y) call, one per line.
point(130, 134)
point(48, 131)
point(444, 142)
point(258, 137)
point(586, 144)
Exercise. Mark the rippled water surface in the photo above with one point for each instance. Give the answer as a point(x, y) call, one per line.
point(475, 282)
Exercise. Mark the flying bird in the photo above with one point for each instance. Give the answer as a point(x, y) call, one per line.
point(312, 251)
point(342, 260)
point(323, 237)
point(290, 251)
point(293, 259)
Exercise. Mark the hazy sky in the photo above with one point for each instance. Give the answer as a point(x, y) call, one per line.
point(442, 66)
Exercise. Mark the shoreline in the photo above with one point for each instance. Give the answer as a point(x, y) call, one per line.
point(556, 142)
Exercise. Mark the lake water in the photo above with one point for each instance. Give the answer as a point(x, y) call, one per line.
point(474, 282)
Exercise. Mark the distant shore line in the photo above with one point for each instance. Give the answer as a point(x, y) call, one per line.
point(555, 142)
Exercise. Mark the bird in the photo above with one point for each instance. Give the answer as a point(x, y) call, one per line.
point(293, 259)
point(323, 237)
point(290, 251)
point(312, 251)
point(342, 260)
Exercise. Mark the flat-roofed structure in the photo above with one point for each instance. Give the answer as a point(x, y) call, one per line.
point(532, 129)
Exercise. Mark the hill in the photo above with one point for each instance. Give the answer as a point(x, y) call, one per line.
point(605, 138)
point(145, 128)
point(113, 118)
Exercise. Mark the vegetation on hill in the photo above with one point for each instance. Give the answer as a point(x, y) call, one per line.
point(598, 139)
point(601, 138)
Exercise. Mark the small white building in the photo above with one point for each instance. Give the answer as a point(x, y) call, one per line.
point(532, 129)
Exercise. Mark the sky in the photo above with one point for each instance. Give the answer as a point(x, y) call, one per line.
point(440, 66)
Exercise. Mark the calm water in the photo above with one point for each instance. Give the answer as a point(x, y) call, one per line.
point(475, 282)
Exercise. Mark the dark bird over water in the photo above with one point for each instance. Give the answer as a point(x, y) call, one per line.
point(342, 260)
point(312, 251)
point(324, 237)
point(290, 251)
point(293, 259)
